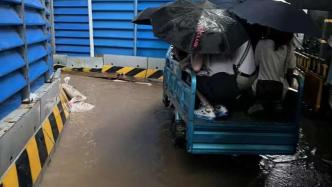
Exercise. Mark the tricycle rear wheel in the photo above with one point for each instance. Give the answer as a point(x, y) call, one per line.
point(178, 131)
point(166, 100)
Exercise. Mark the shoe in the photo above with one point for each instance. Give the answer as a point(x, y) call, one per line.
point(220, 111)
point(255, 108)
point(205, 113)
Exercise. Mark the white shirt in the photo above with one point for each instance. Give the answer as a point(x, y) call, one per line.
point(273, 64)
point(224, 63)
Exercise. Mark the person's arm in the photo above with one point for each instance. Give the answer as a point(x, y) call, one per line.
point(291, 64)
point(197, 62)
point(258, 53)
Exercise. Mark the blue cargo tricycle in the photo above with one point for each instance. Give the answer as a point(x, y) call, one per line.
point(232, 136)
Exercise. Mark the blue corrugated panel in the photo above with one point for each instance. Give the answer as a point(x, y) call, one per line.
point(9, 38)
point(35, 35)
point(37, 84)
point(71, 27)
point(33, 17)
point(8, 15)
point(36, 52)
point(147, 44)
point(37, 69)
point(35, 28)
point(12, 80)
point(37, 40)
point(34, 4)
point(10, 61)
point(113, 30)
point(11, 84)
point(12, 1)
point(10, 104)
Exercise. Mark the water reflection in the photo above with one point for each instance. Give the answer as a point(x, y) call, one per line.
point(305, 168)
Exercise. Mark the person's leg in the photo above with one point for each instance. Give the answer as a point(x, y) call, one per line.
point(256, 103)
point(204, 87)
point(246, 100)
point(203, 108)
point(224, 89)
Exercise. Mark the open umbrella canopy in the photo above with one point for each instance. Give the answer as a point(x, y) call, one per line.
point(198, 27)
point(144, 17)
point(276, 14)
point(225, 4)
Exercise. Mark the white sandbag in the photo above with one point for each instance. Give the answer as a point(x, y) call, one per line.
point(80, 106)
point(71, 91)
point(76, 103)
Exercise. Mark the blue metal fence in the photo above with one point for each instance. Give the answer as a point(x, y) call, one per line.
point(113, 32)
point(147, 44)
point(72, 27)
point(25, 51)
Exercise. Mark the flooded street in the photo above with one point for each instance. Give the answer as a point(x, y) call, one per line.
point(126, 141)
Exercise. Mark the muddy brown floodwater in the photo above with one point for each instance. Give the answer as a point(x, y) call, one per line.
point(125, 141)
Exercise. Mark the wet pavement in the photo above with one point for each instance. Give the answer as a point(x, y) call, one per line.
point(125, 141)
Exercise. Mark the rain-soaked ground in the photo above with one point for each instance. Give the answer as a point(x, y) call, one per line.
point(125, 141)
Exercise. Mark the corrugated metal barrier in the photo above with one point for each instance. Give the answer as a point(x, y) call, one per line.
point(72, 27)
point(147, 44)
point(113, 32)
point(25, 50)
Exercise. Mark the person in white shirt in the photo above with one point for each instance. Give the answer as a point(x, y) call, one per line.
point(275, 57)
point(276, 61)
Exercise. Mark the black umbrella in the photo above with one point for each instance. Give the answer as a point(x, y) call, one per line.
point(144, 17)
point(225, 4)
point(276, 14)
point(200, 28)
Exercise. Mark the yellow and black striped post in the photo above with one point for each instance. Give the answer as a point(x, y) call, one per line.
point(26, 169)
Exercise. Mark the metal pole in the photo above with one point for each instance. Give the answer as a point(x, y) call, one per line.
point(23, 50)
point(135, 27)
point(92, 45)
point(52, 26)
point(46, 31)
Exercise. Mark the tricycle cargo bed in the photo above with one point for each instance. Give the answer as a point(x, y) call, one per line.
point(232, 136)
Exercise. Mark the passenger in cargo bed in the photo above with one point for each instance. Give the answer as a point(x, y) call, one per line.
point(216, 72)
point(238, 101)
